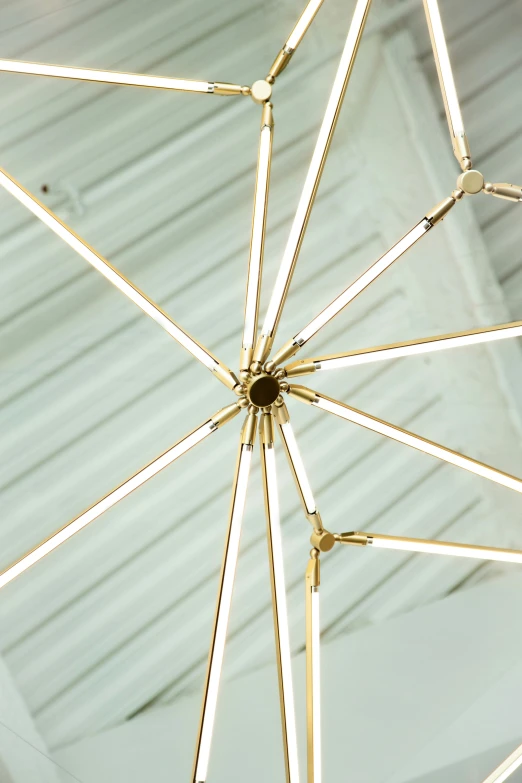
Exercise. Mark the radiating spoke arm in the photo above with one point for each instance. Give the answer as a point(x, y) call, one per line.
point(280, 612)
point(313, 669)
point(294, 39)
point(504, 190)
point(297, 466)
point(224, 601)
point(447, 85)
point(403, 436)
point(257, 240)
point(115, 277)
point(110, 500)
point(422, 345)
point(311, 184)
point(125, 79)
point(378, 541)
point(506, 769)
point(430, 220)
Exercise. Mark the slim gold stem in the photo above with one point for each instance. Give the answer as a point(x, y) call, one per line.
point(279, 607)
point(126, 79)
point(224, 601)
point(431, 219)
point(335, 361)
point(506, 769)
point(311, 185)
point(313, 669)
point(447, 85)
point(297, 466)
point(403, 436)
point(117, 279)
point(128, 486)
point(257, 239)
point(431, 547)
point(295, 38)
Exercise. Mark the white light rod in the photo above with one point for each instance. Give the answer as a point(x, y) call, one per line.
point(415, 347)
point(363, 282)
point(316, 684)
point(303, 23)
point(222, 614)
point(506, 769)
point(106, 77)
point(445, 72)
point(287, 431)
point(416, 442)
point(108, 271)
point(258, 237)
point(281, 612)
point(313, 176)
point(443, 548)
point(106, 503)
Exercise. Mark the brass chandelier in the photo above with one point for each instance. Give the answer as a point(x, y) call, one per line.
point(263, 376)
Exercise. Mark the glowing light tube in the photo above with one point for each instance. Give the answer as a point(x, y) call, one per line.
point(105, 77)
point(408, 438)
point(313, 673)
point(226, 586)
point(506, 769)
point(257, 242)
point(363, 282)
point(302, 25)
point(107, 502)
point(421, 346)
point(313, 176)
point(442, 60)
point(275, 548)
point(298, 468)
point(116, 278)
point(401, 544)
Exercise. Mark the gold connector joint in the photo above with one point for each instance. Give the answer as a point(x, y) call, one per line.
point(471, 182)
point(248, 433)
point(266, 429)
point(313, 570)
point(439, 212)
point(225, 414)
point(288, 350)
point(462, 151)
point(355, 539)
point(503, 190)
point(281, 414)
point(317, 523)
point(303, 394)
point(280, 62)
point(261, 91)
point(322, 540)
point(267, 115)
point(223, 88)
point(226, 376)
point(303, 367)
point(262, 349)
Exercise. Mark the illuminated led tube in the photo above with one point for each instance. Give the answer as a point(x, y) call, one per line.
point(506, 769)
point(408, 348)
point(257, 240)
point(311, 184)
point(280, 612)
point(302, 25)
point(401, 544)
point(403, 436)
point(117, 494)
point(447, 83)
point(313, 671)
point(113, 77)
point(226, 586)
point(117, 279)
point(297, 465)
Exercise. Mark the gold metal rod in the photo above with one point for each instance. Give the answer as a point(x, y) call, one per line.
point(447, 85)
point(431, 219)
point(110, 500)
point(335, 361)
point(224, 602)
point(311, 184)
point(126, 79)
point(504, 190)
point(403, 436)
point(115, 277)
point(297, 466)
point(295, 37)
point(257, 239)
point(433, 547)
point(506, 769)
point(279, 607)
point(313, 669)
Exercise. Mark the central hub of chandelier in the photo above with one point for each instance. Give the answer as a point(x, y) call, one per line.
point(262, 390)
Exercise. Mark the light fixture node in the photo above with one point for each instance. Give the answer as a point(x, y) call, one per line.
point(263, 390)
point(261, 91)
point(471, 182)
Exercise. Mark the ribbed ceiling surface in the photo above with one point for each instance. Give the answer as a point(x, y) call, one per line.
point(119, 618)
